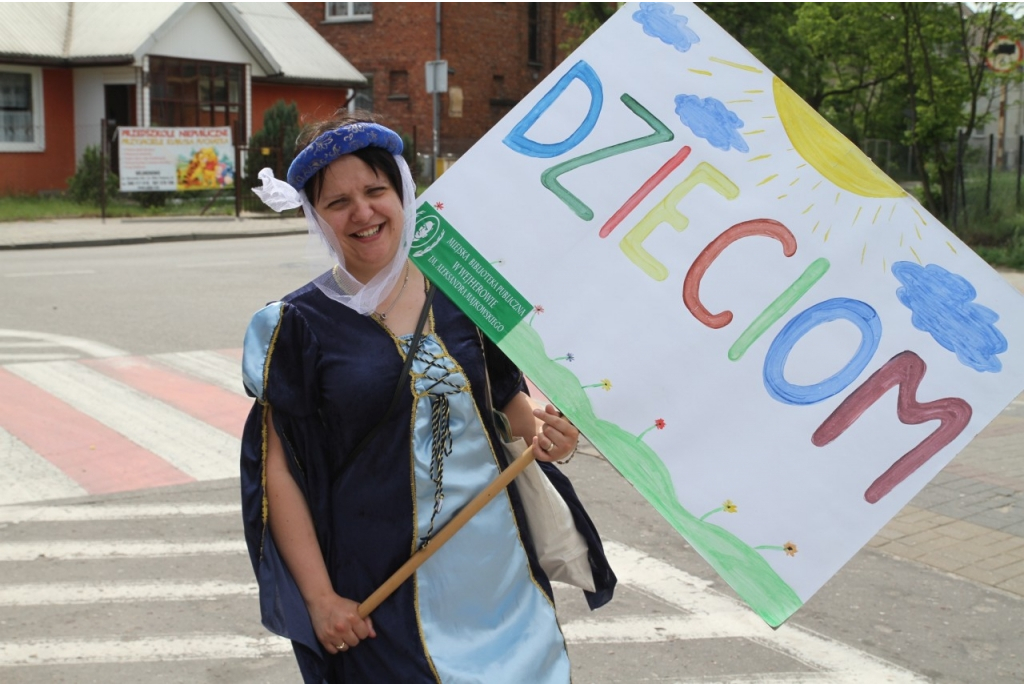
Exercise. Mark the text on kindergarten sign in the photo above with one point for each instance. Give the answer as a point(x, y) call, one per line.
point(173, 159)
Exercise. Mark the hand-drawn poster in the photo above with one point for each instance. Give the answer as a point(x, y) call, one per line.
point(770, 339)
point(171, 159)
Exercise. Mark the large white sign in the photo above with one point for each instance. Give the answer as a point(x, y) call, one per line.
point(171, 159)
point(770, 339)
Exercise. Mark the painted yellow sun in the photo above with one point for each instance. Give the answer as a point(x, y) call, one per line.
point(827, 150)
point(840, 196)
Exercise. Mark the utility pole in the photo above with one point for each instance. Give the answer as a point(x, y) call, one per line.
point(437, 104)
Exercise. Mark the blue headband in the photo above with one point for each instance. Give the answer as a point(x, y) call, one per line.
point(327, 147)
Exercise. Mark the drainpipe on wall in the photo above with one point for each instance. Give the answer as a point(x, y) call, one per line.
point(436, 153)
point(144, 90)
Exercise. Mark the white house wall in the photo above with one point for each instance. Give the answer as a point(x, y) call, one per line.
point(202, 34)
point(89, 105)
point(1014, 123)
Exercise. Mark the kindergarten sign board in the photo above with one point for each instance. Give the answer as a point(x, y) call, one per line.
point(171, 159)
point(770, 339)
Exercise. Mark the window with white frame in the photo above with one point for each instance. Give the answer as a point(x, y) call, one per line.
point(21, 109)
point(348, 11)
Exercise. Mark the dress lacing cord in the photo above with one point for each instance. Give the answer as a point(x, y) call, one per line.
point(440, 429)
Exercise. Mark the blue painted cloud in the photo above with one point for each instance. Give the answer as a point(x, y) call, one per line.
point(710, 120)
point(660, 21)
point(942, 305)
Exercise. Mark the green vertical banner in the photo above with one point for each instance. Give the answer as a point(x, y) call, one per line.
point(470, 281)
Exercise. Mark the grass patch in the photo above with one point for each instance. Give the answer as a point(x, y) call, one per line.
point(992, 224)
point(31, 208)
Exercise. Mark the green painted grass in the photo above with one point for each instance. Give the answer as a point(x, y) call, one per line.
point(737, 562)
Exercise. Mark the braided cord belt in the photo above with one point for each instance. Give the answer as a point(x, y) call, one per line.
point(440, 425)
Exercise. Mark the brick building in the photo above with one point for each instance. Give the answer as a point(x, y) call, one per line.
point(64, 67)
point(496, 53)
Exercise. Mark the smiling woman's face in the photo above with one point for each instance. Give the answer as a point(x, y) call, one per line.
point(365, 214)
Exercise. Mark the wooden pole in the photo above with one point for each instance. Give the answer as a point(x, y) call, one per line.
point(238, 169)
point(1001, 129)
point(445, 534)
point(988, 184)
point(103, 170)
point(1020, 165)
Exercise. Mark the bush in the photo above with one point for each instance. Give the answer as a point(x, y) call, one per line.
point(151, 198)
point(84, 186)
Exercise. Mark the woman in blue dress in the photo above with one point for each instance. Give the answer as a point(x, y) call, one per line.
point(350, 465)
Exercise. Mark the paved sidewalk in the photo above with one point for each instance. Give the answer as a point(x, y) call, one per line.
point(84, 232)
point(968, 521)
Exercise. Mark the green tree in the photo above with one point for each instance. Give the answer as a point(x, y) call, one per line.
point(912, 73)
point(585, 18)
point(944, 78)
point(273, 145)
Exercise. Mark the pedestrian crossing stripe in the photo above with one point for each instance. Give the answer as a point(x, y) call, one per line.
point(698, 611)
point(114, 424)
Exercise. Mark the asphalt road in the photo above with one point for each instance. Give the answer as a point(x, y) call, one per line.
point(117, 587)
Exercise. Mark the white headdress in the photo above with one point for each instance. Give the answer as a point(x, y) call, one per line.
point(337, 282)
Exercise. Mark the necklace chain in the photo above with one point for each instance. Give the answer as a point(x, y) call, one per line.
point(384, 315)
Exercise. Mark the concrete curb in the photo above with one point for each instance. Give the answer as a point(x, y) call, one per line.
point(141, 239)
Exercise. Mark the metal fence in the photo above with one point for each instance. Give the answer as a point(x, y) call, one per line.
point(987, 183)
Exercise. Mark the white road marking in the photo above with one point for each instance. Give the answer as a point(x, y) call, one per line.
point(89, 348)
point(35, 357)
point(33, 274)
point(207, 366)
point(28, 477)
point(811, 677)
point(192, 446)
point(78, 550)
point(704, 613)
point(94, 593)
point(20, 344)
point(211, 265)
point(116, 650)
point(729, 617)
point(112, 512)
point(637, 629)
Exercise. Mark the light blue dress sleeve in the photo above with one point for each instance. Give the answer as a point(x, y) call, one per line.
point(256, 348)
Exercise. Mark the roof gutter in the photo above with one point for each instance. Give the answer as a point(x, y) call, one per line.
point(48, 61)
point(299, 81)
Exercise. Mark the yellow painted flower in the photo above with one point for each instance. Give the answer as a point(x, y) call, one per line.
point(790, 549)
point(606, 384)
point(729, 506)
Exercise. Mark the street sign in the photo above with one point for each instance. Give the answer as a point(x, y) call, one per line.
point(1004, 54)
point(437, 76)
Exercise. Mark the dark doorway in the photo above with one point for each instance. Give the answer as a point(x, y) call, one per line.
point(119, 105)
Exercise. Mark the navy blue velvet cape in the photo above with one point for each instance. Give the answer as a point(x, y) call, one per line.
point(330, 375)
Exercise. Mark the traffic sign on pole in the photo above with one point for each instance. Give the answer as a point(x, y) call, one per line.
point(437, 76)
point(1004, 54)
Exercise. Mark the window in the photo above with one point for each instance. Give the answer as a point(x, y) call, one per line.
point(21, 109)
point(532, 33)
point(193, 93)
point(348, 11)
point(362, 98)
point(398, 85)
